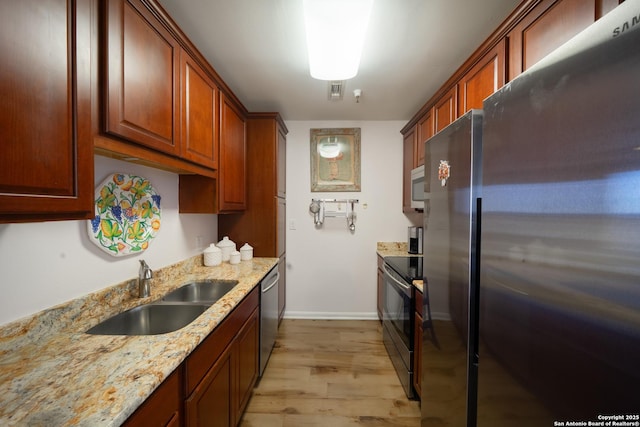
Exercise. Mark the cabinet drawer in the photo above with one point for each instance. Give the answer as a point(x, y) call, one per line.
point(163, 407)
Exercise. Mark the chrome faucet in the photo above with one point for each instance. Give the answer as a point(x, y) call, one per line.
point(144, 280)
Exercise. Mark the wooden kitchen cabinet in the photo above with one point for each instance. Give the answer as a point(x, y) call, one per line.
point(482, 80)
point(165, 106)
point(445, 110)
point(409, 144)
point(425, 131)
point(222, 371)
point(199, 114)
point(245, 365)
point(48, 84)
point(163, 408)
point(232, 177)
point(141, 77)
point(226, 191)
point(210, 403)
point(547, 26)
point(417, 344)
point(380, 287)
point(263, 223)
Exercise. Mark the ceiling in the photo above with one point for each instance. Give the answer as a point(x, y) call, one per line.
point(413, 46)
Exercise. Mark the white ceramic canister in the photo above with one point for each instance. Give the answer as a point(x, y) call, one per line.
point(246, 252)
point(212, 255)
point(234, 258)
point(227, 246)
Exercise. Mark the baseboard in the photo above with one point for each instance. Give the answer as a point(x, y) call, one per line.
point(329, 315)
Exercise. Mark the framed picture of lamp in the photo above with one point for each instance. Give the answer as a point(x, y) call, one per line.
point(335, 160)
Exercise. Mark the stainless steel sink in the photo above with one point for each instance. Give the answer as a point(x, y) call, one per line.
point(150, 319)
point(205, 291)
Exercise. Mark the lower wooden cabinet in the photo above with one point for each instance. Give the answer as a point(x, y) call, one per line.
point(213, 385)
point(220, 374)
point(163, 407)
point(210, 403)
point(380, 286)
point(417, 345)
point(244, 365)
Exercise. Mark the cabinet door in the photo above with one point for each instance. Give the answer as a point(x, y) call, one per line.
point(198, 119)
point(483, 79)
point(546, 27)
point(231, 186)
point(444, 112)
point(281, 226)
point(380, 287)
point(408, 162)
point(245, 360)
point(282, 286)
point(425, 131)
point(282, 163)
point(210, 403)
point(141, 77)
point(163, 407)
point(47, 76)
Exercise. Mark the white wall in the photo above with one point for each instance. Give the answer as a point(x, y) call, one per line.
point(331, 273)
point(47, 263)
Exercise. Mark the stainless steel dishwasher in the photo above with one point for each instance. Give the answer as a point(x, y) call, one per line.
point(268, 315)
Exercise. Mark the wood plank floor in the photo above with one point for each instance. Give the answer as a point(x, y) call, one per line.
point(330, 373)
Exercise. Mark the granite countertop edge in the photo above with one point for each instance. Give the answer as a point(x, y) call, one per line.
point(53, 373)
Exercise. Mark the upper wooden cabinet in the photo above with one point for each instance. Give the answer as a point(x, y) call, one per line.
point(482, 80)
point(163, 103)
point(225, 193)
point(232, 177)
point(408, 163)
point(425, 131)
point(547, 26)
point(445, 110)
point(198, 118)
point(533, 30)
point(262, 223)
point(48, 77)
point(141, 75)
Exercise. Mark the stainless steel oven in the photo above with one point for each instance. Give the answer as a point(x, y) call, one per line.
point(397, 315)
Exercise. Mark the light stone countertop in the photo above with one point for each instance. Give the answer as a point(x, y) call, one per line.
point(54, 374)
point(385, 249)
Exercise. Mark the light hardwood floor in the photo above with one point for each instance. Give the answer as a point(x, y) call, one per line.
point(330, 373)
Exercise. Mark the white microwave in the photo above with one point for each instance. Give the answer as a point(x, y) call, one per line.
point(417, 187)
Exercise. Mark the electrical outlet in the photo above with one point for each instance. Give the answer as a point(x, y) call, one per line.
point(292, 224)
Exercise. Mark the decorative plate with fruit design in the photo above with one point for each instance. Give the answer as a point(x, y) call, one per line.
point(127, 215)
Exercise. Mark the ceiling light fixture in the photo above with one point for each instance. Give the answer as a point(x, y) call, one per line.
point(335, 36)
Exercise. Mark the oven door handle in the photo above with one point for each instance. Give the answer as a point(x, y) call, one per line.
point(401, 284)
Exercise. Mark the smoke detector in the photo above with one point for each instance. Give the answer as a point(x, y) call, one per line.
point(357, 93)
point(336, 90)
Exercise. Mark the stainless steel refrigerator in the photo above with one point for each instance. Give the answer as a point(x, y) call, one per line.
point(452, 191)
point(556, 327)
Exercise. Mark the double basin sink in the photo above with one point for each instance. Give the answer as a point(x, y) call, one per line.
point(174, 311)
